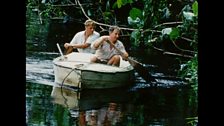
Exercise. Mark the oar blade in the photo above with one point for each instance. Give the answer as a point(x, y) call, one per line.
point(142, 71)
point(138, 67)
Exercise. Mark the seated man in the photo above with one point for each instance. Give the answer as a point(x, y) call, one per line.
point(83, 39)
point(105, 50)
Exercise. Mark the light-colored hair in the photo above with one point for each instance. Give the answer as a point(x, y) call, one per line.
point(89, 22)
point(112, 28)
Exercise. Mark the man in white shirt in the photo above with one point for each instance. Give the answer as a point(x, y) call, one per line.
point(105, 51)
point(83, 39)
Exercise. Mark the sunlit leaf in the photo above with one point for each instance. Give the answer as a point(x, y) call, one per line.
point(166, 31)
point(119, 3)
point(131, 21)
point(195, 8)
point(135, 12)
point(188, 15)
point(174, 34)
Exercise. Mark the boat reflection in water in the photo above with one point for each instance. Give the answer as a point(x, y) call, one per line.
point(93, 107)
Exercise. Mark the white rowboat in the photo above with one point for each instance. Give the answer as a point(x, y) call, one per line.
point(75, 70)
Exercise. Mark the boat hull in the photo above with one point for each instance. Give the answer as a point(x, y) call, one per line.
point(91, 79)
point(83, 74)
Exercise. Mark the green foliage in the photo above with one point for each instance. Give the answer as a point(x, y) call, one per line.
point(135, 12)
point(155, 15)
point(105, 13)
point(135, 36)
point(189, 70)
point(187, 29)
point(62, 115)
point(188, 15)
point(120, 3)
point(174, 34)
point(46, 10)
point(171, 33)
point(166, 31)
point(36, 27)
point(49, 11)
point(195, 8)
point(137, 23)
point(135, 20)
point(153, 12)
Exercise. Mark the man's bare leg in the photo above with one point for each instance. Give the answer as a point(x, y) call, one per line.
point(114, 61)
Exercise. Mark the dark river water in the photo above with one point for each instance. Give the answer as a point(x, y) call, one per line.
point(171, 103)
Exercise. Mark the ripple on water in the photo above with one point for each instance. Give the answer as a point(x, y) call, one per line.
point(39, 68)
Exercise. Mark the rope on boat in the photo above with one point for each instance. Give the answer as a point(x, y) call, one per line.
point(65, 101)
point(70, 73)
point(66, 77)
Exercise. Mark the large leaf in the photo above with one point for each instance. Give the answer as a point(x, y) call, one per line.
point(174, 34)
point(135, 12)
point(131, 21)
point(195, 8)
point(188, 15)
point(119, 3)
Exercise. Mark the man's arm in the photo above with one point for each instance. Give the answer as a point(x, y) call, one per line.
point(68, 50)
point(99, 41)
point(85, 45)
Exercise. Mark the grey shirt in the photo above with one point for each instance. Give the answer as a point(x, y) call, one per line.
point(103, 52)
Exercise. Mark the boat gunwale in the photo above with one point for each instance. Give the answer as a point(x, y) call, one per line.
point(125, 69)
point(109, 72)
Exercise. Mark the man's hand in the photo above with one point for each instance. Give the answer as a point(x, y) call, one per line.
point(105, 38)
point(66, 45)
point(125, 56)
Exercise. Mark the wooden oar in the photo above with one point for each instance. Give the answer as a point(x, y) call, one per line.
point(143, 72)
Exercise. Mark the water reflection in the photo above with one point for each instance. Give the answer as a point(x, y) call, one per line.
point(154, 107)
point(39, 108)
point(108, 115)
point(92, 107)
point(56, 106)
point(65, 97)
